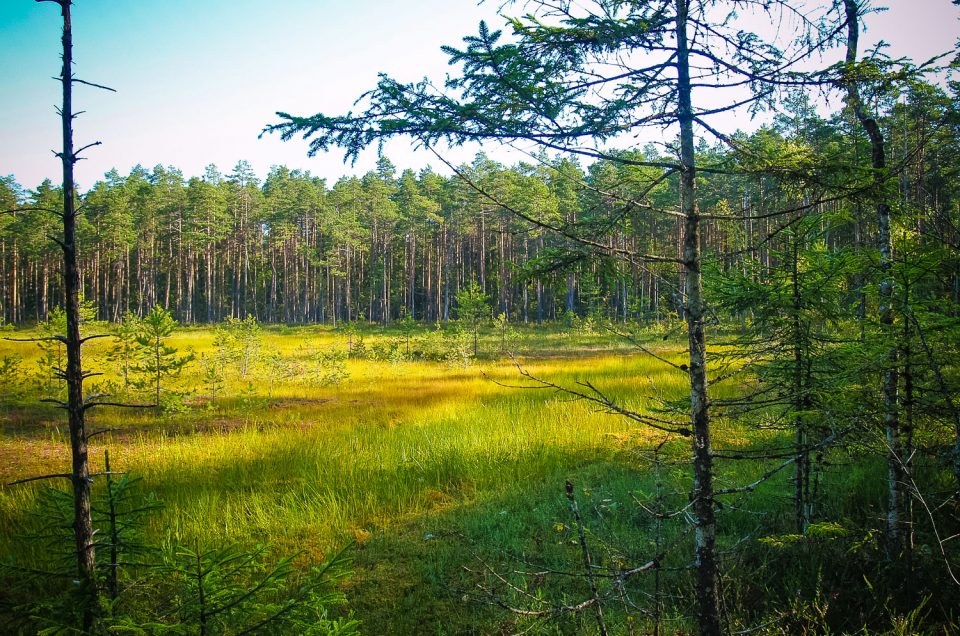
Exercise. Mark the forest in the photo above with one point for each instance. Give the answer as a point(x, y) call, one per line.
point(294, 251)
point(707, 383)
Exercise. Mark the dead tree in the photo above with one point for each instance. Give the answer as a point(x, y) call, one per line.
point(73, 374)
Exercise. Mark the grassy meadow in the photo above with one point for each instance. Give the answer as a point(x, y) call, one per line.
point(443, 480)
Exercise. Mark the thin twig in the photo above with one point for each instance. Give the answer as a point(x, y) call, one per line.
point(80, 81)
point(585, 555)
point(40, 477)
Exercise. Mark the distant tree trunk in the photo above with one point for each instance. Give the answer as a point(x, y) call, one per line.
point(209, 273)
point(126, 271)
point(346, 281)
point(450, 263)
point(385, 296)
point(166, 294)
point(16, 313)
point(188, 318)
point(413, 275)
point(539, 286)
point(244, 307)
point(179, 267)
point(483, 251)
point(372, 273)
point(44, 285)
point(708, 612)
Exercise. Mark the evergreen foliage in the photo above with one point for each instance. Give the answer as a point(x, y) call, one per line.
point(473, 309)
point(157, 359)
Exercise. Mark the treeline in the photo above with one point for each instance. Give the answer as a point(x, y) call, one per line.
point(293, 249)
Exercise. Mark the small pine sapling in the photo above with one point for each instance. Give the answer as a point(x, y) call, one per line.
point(407, 326)
point(350, 330)
point(122, 512)
point(278, 369)
point(358, 348)
point(125, 348)
point(229, 590)
point(506, 334)
point(46, 597)
point(159, 360)
point(11, 376)
point(328, 367)
point(243, 338)
point(50, 364)
point(473, 307)
point(458, 348)
point(214, 379)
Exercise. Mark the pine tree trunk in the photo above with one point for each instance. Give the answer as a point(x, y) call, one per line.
point(896, 503)
point(209, 273)
point(16, 312)
point(705, 559)
point(802, 464)
point(80, 467)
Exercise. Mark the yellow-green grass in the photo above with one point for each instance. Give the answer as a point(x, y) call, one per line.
point(396, 452)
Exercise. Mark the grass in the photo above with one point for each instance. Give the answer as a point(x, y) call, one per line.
point(439, 475)
point(337, 458)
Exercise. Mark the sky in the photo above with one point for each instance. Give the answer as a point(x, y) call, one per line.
point(197, 80)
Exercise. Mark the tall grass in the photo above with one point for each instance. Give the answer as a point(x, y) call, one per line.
point(427, 468)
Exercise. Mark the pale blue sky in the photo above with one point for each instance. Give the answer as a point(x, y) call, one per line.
point(198, 79)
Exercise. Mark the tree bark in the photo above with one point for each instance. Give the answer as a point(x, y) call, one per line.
point(705, 560)
point(80, 468)
point(891, 413)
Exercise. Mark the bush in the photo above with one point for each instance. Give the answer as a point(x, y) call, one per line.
point(329, 368)
point(11, 379)
point(392, 350)
point(357, 348)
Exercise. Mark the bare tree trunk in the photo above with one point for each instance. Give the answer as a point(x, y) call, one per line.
point(413, 275)
point(4, 304)
point(908, 430)
point(802, 464)
point(450, 263)
point(346, 281)
point(16, 313)
point(209, 272)
point(126, 282)
point(891, 414)
point(80, 469)
point(539, 286)
point(705, 559)
point(44, 286)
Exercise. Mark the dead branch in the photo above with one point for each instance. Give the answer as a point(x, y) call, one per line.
point(773, 471)
point(85, 82)
point(95, 336)
point(121, 405)
point(585, 555)
point(60, 339)
point(633, 341)
point(597, 397)
point(102, 431)
point(40, 477)
point(76, 155)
